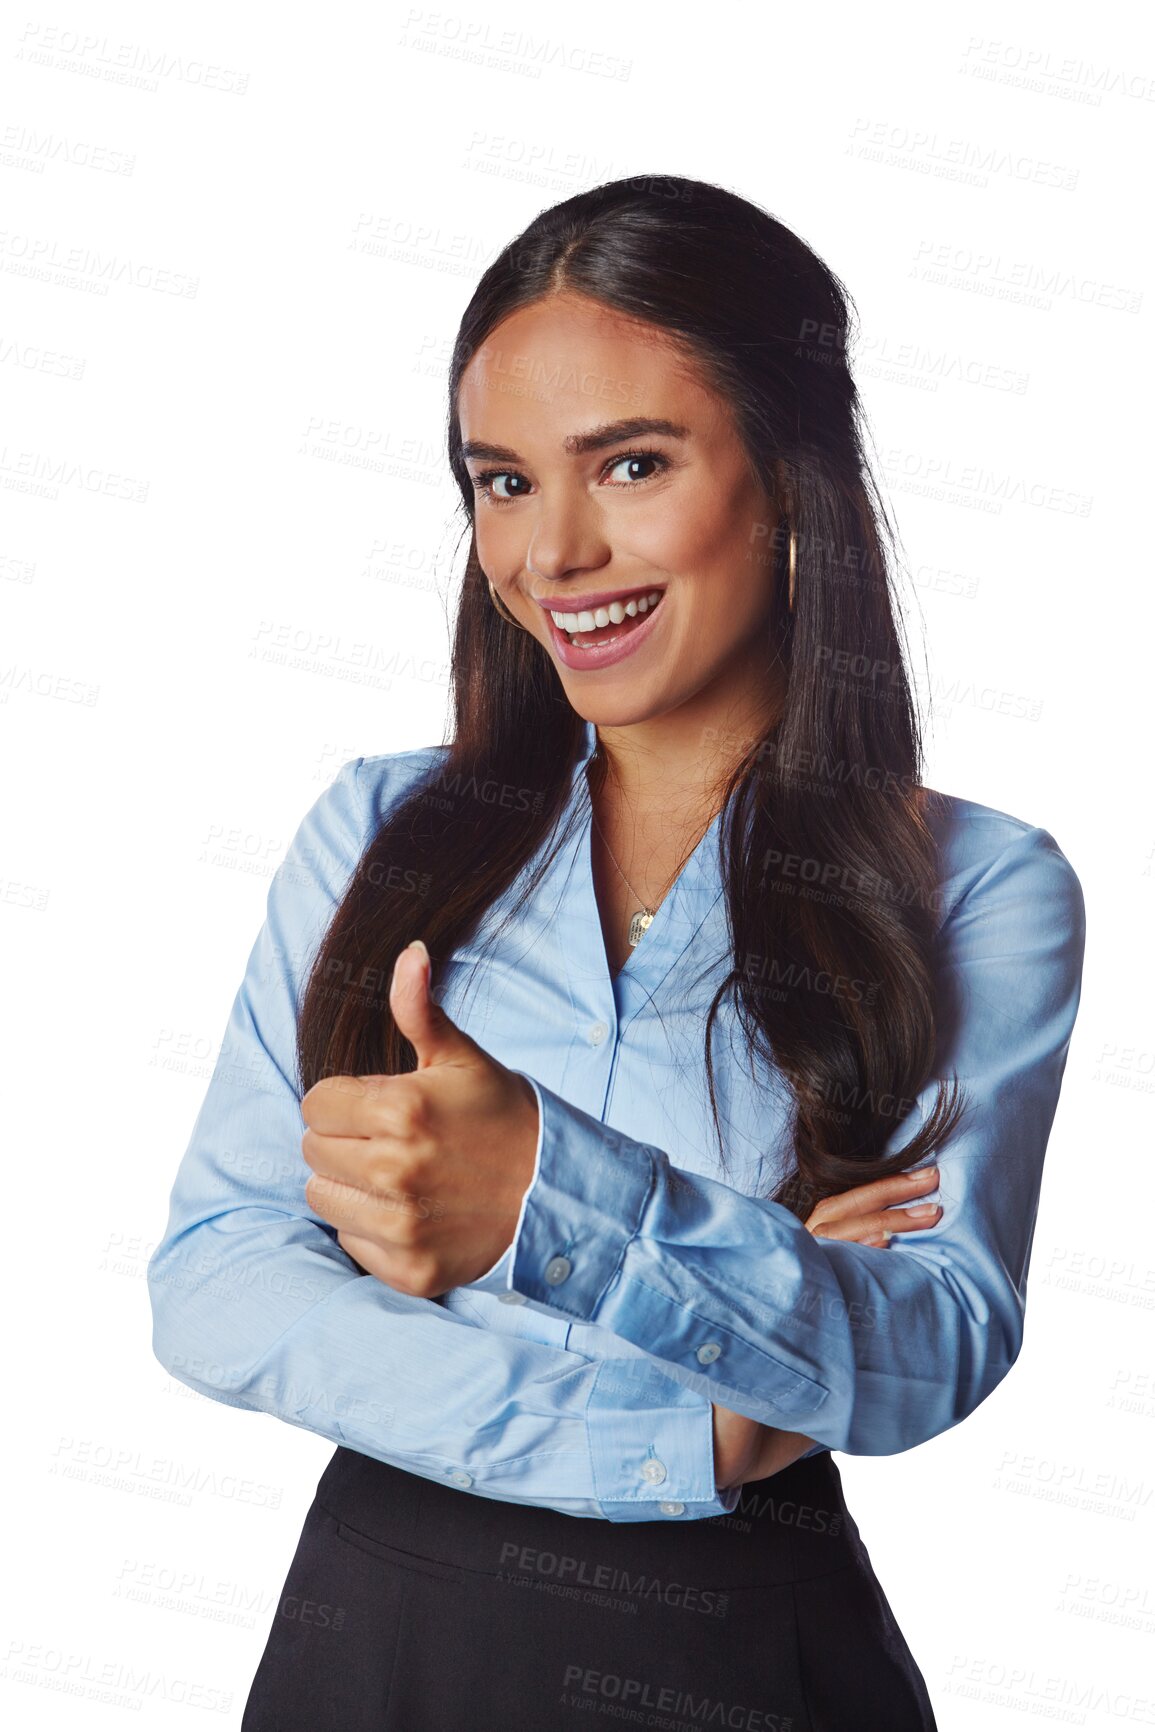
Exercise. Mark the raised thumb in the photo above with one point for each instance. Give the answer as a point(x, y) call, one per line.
point(434, 1037)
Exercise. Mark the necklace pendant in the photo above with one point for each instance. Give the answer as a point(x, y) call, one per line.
point(638, 924)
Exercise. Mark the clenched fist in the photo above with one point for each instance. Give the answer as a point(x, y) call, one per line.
point(423, 1173)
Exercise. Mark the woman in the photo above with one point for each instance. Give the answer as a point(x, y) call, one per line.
point(675, 882)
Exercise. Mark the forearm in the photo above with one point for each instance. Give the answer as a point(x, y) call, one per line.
point(256, 1305)
point(262, 1310)
point(867, 1350)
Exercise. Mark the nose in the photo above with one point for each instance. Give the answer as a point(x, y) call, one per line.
point(566, 538)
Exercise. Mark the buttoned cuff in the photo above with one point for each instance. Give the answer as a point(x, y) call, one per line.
point(652, 1447)
point(586, 1202)
point(590, 1246)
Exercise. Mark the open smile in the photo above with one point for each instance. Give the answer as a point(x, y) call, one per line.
point(600, 636)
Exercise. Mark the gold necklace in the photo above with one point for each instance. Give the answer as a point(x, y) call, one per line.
point(641, 917)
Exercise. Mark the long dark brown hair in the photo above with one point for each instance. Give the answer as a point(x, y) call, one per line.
point(828, 860)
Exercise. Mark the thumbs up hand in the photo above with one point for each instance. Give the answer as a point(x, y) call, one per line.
point(424, 1173)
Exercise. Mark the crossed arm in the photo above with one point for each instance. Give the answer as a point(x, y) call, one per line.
point(850, 1345)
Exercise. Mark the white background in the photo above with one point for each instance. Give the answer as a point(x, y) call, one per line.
point(979, 178)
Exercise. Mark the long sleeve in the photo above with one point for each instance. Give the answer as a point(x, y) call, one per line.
point(255, 1304)
point(868, 1350)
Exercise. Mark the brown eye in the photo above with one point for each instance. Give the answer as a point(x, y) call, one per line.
point(633, 457)
point(484, 482)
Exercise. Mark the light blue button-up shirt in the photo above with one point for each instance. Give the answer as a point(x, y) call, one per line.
point(579, 1371)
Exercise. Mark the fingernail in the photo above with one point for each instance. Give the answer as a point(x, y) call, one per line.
point(414, 944)
point(880, 1239)
point(925, 1209)
point(423, 953)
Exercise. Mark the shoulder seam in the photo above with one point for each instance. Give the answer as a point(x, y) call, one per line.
point(1027, 833)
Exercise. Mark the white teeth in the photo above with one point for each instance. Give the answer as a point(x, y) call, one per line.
point(613, 614)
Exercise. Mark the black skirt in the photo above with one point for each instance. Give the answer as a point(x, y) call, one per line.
point(412, 1606)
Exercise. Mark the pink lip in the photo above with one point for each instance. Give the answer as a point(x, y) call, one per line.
point(599, 598)
point(602, 655)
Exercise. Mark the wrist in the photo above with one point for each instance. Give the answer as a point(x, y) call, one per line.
point(527, 1137)
point(736, 1443)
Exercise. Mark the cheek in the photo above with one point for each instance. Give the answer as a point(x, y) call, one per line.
point(729, 580)
point(673, 540)
point(709, 533)
point(500, 545)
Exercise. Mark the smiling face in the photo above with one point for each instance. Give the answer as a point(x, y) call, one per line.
point(605, 466)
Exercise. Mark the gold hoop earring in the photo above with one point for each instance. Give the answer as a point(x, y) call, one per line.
point(501, 607)
point(792, 573)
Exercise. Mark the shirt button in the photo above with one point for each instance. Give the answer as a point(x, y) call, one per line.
point(596, 1033)
point(460, 1478)
point(672, 1508)
point(708, 1353)
point(557, 1270)
point(653, 1471)
point(511, 1298)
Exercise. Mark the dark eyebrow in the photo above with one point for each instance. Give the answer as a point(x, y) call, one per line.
point(578, 444)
